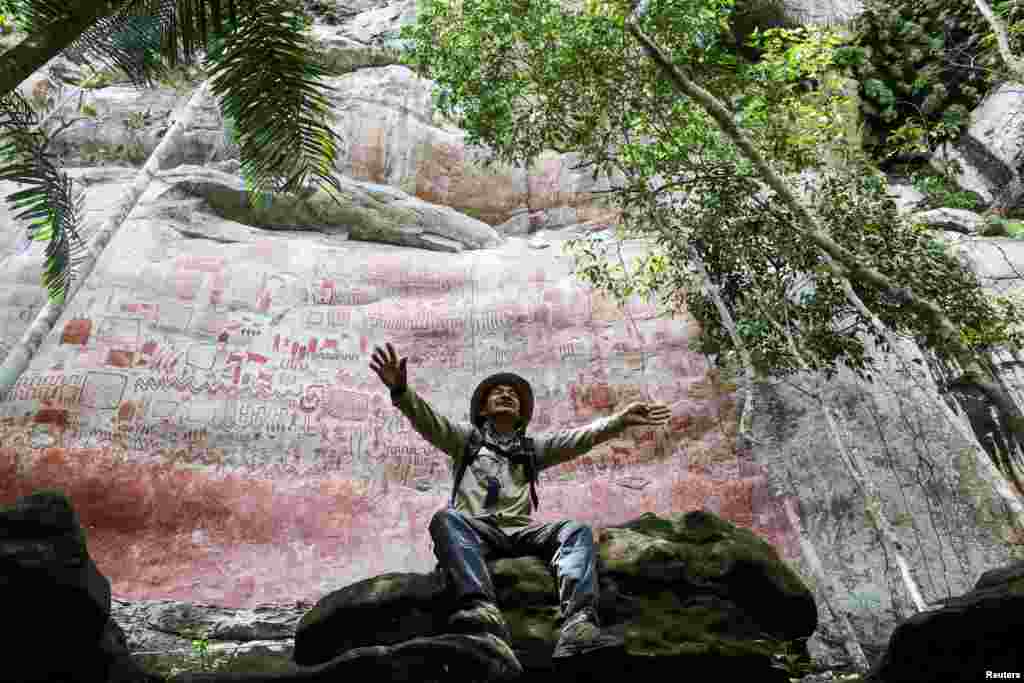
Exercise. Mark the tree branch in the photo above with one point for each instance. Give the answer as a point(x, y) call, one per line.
point(840, 262)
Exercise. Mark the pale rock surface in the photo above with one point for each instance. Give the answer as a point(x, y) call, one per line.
point(954, 220)
point(991, 150)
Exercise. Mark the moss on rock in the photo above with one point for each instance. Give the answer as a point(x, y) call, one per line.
point(666, 628)
point(651, 540)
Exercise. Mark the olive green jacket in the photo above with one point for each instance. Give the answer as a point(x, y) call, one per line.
point(512, 508)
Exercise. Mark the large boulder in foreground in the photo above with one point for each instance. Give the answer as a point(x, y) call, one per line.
point(689, 591)
point(53, 593)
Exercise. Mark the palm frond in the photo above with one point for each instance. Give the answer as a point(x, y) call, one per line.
point(50, 201)
point(260, 65)
point(267, 55)
point(131, 39)
point(267, 77)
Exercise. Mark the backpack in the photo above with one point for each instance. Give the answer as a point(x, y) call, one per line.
point(473, 446)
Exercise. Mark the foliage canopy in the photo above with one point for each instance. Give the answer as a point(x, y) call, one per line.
point(524, 76)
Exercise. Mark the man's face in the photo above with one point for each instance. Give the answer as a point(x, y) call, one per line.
point(502, 399)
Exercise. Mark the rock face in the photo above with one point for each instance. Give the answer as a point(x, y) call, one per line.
point(364, 211)
point(206, 397)
point(991, 150)
point(942, 515)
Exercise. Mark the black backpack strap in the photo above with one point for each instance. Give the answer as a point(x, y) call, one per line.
point(531, 469)
point(473, 445)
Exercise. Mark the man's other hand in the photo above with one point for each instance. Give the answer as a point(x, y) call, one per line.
point(645, 414)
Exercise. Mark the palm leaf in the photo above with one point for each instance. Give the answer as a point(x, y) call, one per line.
point(127, 39)
point(267, 77)
point(50, 198)
point(252, 51)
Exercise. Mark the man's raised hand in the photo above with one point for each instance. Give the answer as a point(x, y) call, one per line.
point(388, 368)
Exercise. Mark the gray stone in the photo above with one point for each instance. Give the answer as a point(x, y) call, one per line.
point(990, 151)
point(907, 197)
point(955, 220)
point(929, 508)
point(370, 212)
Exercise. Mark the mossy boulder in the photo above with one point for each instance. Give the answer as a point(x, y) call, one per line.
point(363, 211)
point(690, 590)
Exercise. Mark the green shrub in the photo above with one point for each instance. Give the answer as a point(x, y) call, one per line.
point(939, 192)
point(903, 54)
point(101, 153)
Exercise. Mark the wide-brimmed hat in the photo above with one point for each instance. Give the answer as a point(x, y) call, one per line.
point(521, 386)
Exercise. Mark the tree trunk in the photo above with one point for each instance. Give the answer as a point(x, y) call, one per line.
point(24, 351)
point(809, 225)
point(31, 54)
point(1016, 66)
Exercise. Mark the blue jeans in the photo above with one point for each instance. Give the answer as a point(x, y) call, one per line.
point(464, 544)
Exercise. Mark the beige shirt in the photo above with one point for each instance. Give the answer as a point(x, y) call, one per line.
point(512, 508)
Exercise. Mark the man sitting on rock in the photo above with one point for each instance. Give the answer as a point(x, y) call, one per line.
point(489, 514)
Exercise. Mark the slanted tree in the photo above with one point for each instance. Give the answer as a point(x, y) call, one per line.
point(644, 91)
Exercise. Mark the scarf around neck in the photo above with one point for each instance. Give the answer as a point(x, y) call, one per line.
point(507, 443)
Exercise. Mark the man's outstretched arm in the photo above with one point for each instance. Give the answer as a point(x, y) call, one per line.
point(563, 445)
point(433, 427)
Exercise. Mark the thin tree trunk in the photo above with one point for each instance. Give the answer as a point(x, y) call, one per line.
point(851, 266)
point(28, 56)
point(1015, 65)
point(827, 588)
point(17, 361)
point(711, 289)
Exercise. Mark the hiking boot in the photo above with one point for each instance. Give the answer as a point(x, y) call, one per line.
point(581, 633)
point(480, 617)
point(512, 667)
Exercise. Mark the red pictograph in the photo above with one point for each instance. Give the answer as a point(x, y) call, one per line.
point(186, 284)
point(326, 292)
point(601, 396)
point(348, 405)
point(207, 264)
point(76, 332)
